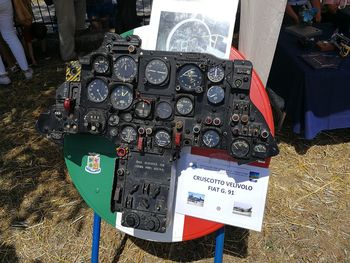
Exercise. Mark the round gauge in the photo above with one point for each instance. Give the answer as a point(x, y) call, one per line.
point(129, 134)
point(125, 68)
point(113, 120)
point(164, 110)
point(101, 64)
point(113, 132)
point(97, 90)
point(190, 77)
point(260, 148)
point(121, 97)
point(216, 94)
point(184, 106)
point(156, 72)
point(240, 148)
point(143, 109)
point(216, 74)
point(126, 117)
point(211, 138)
point(162, 138)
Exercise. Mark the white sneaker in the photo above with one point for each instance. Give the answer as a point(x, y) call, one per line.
point(4, 79)
point(28, 73)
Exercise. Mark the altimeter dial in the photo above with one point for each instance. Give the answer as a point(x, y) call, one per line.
point(156, 72)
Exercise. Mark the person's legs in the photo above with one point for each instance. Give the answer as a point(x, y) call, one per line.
point(80, 14)
point(2, 67)
point(4, 79)
point(66, 27)
point(9, 35)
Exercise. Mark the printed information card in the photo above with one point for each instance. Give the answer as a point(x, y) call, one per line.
point(221, 191)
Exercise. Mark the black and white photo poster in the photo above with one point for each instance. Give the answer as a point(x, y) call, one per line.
point(193, 26)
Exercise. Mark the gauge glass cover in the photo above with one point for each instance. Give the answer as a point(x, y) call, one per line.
point(216, 74)
point(101, 64)
point(240, 148)
point(211, 138)
point(216, 94)
point(190, 77)
point(121, 97)
point(184, 106)
point(97, 90)
point(143, 109)
point(113, 120)
point(164, 110)
point(129, 134)
point(125, 68)
point(156, 72)
point(260, 148)
point(162, 138)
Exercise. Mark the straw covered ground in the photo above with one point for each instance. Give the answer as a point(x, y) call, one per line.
point(43, 218)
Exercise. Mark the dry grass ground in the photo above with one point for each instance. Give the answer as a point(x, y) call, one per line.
point(43, 218)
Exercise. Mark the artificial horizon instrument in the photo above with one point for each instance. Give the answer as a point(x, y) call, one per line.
point(150, 105)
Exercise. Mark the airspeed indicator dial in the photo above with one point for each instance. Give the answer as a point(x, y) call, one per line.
point(164, 110)
point(216, 94)
point(121, 97)
point(184, 106)
point(216, 74)
point(190, 77)
point(156, 72)
point(101, 64)
point(129, 134)
point(125, 68)
point(162, 138)
point(211, 138)
point(97, 90)
point(240, 148)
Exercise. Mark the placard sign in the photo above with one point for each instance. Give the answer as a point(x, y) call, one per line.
point(222, 191)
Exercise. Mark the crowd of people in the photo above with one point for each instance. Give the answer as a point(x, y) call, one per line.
point(72, 15)
point(103, 15)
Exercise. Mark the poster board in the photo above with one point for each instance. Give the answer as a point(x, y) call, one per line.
point(193, 26)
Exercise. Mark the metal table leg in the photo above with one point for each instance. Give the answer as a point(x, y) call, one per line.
point(219, 245)
point(95, 238)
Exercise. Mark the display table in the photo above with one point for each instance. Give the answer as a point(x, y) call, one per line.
point(316, 99)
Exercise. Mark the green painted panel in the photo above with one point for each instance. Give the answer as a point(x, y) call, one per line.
point(96, 189)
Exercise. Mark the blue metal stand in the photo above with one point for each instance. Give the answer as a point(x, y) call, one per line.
point(95, 238)
point(219, 245)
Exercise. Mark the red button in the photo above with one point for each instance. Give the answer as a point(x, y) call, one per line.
point(178, 139)
point(140, 144)
point(67, 104)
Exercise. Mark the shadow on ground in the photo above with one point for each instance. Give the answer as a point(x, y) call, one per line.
point(302, 145)
point(236, 244)
point(34, 184)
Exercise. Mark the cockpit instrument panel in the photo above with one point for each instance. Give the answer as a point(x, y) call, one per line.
point(151, 104)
